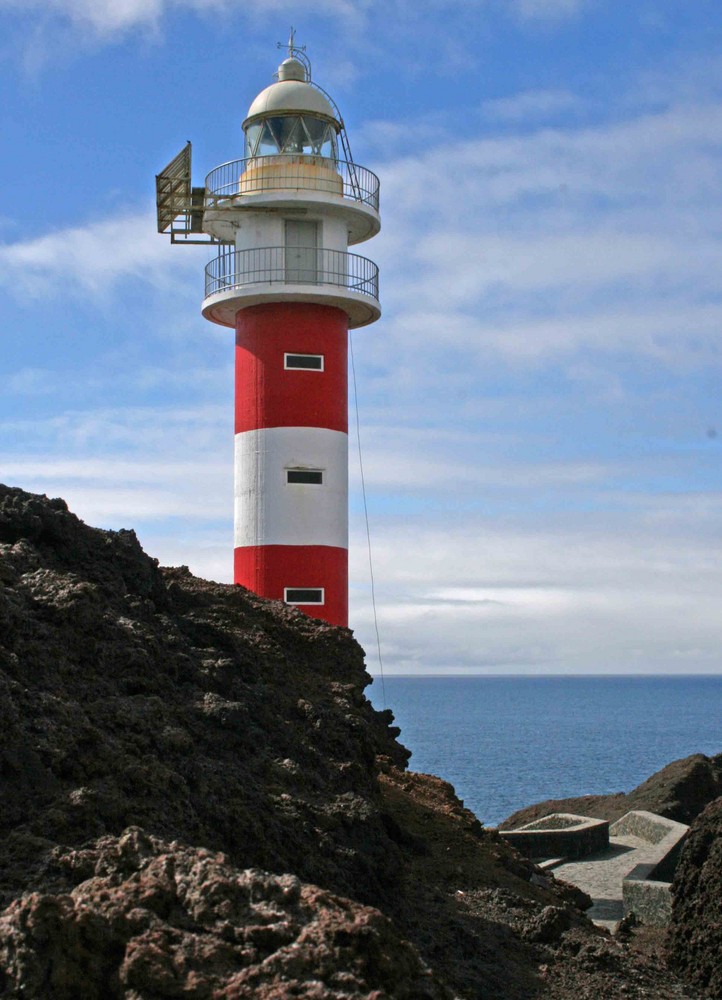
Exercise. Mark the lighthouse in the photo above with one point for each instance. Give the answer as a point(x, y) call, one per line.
point(282, 220)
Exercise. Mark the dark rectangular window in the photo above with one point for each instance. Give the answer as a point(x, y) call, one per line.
point(303, 595)
point(307, 362)
point(312, 476)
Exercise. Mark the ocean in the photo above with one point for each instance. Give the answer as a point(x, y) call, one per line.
point(506, 742)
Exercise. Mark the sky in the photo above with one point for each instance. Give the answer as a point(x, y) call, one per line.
point(540, 406)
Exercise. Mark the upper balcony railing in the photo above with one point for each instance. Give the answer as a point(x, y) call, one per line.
point(291, 172)
point(233, 269)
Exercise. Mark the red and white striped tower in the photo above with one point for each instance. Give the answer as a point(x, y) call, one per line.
point(284, 279)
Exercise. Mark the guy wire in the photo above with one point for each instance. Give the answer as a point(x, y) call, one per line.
point(366, 517)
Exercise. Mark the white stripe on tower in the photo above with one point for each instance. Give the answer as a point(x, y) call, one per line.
point(270, 510)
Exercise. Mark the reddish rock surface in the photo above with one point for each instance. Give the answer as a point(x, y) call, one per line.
point(232, 733)
point(153, 919)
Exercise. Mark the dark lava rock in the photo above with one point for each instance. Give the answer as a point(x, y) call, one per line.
point(549, 925)
point(695, 935)
point(680, 791)
point(131, 695)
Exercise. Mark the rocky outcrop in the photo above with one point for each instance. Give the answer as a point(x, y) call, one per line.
point(153, 919)
point(680, 791)
point(695, 935)
point(199, 801)
point(135, 696)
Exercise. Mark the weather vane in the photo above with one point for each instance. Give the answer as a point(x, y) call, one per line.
point(291, 44)
point(296, 52)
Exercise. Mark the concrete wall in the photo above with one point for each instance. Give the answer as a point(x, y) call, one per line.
point(646, 890)
point(560, 835)
point(648, 899)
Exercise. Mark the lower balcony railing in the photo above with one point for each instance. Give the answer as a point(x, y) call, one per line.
point(233, 269)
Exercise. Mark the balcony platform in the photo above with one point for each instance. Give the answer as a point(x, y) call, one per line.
point(236, 279)
point(284, 181)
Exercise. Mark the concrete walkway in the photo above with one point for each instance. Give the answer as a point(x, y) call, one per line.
point(600, 875)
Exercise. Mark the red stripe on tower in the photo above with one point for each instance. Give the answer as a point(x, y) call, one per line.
point(276, 345)
point(274, 569)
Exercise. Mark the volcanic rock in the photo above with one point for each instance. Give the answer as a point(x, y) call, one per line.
point(135, 696)
point(695, 936)
point(680, 791)
point(153, 919)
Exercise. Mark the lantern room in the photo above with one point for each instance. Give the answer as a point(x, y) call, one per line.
point(291, 117)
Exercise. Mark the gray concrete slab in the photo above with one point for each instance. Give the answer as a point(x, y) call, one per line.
point(600, 875)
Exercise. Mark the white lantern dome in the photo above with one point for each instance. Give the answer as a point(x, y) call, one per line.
point(291, 94)
point(292, 117)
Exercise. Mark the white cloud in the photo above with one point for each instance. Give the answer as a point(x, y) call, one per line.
point(448, 462)
point(544, 244)
point(469, 266)
point(208, 551)
point(682, 338)
point(113, 491)
point(66, 385)
point(666, 159)
point(533, 105)
point(113, 472)
point(108, 18)
point(179, 499)
point(582, 592)
point(93, 259)
point(30, 381)
point(543, 10)
point(175, 490)
point(149, 431)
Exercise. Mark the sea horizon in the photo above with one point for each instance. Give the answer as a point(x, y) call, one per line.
point(524, 738)
point(557, 673)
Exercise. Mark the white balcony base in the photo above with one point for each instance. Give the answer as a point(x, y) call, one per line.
point(221, 307)
point(221, 218)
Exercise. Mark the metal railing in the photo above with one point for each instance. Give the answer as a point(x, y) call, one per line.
point(233, 269)
point(294, 172)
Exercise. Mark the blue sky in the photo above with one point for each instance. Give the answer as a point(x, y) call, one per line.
point(540, 402)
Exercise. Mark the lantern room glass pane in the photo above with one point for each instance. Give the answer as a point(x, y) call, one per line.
point(292, 134)
point(320, 137)
point(289, 133)
point(267, 144)
point(253, 134)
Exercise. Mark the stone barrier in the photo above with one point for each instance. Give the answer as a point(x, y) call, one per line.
point(646, 889)
point(648, 899)
point(559, 835)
